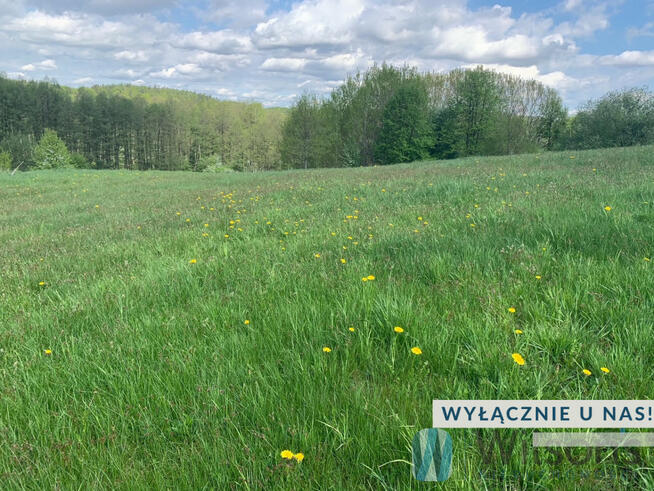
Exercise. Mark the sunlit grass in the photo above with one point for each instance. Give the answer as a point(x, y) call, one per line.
point(175, 330)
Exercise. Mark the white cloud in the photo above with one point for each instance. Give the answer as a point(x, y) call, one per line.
point(224, 41)
point(629, 59)
point(284, 64)
point(42, 65)
point(177, 71)
point(138, 56)
point(83, 80)
point(311, 23)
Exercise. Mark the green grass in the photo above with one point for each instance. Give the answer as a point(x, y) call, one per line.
point(155, 380)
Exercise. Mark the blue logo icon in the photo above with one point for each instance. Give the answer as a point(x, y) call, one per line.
point(432, 455)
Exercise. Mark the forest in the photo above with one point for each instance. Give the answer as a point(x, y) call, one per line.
point(384, 115)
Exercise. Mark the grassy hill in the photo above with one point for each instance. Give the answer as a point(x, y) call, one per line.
point(168, 330)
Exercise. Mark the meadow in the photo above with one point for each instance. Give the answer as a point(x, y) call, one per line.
point(182, 330)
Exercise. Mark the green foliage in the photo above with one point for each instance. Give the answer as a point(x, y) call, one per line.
point(20, 148)
point(51, 152)
point(142, 128)
point(406, 133)
point(617, 119)
point(78, 161)
point(5, 160)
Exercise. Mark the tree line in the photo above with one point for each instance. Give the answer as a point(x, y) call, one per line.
point(384, 115)
point(130, 127)
point(390, 114)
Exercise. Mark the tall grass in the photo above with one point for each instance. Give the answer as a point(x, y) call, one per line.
point(155, 380)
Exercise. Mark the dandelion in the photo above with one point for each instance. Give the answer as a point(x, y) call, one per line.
point(327, 349)
point(317, 256)
point(227, 236)
point(205, 234)
point(41, 283)
point(97, 206)
point(517, 357)
point(472, 225)
point(518, 331)
point(646, 259)
point(286, 454)
point(416, 351)
point(178, 213)
point(420, 219)
point(364, 279)
point(193, 261)
point(605, 370)
point(206, 225)
point(371, 278)
point(351, 329)
point(398, 329)
point(587, 372)
point(246, 322)
point(538, 277)
point(512, 310)
point(48, 352)
point(607, 208)
point(343, 260)
point(299, 457)
point(188, 220)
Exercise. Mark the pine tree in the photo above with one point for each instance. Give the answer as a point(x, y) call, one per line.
point(51, 152)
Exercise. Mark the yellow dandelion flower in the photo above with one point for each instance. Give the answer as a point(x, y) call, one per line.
point(371, 277)
point(416, 351)
point(41, 283)
point(646, 259)
point(48, 352)
point(286, 454)
point(398, 329)
point(316, 256)
point(193, 261)
point(512, 310)
point(246, 322)
point(299, 457)
point(607, 208)
point(351, 329)
point(518, 331)
point(420, 219)
point(605, 370)
point(517, 357)
point(188, 220)
point(206, 224)
point(364, 279)
point(538, 277)
point(97, 206)
point(227, 236)
point(587, 372)
point(327, 349)
point(343, 260)
point(178, 213)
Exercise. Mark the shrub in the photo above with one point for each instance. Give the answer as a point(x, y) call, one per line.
point(5, 161)
point(51, 152)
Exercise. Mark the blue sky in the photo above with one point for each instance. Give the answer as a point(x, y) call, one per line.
point(273, 50)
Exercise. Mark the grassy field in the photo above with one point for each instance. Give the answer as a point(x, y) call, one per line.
point(169, 330)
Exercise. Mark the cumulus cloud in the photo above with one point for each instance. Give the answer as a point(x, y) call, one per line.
point(41, 65)
point(284, 64)
point(225, 41)
point(259, 49)
point(629, 59)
